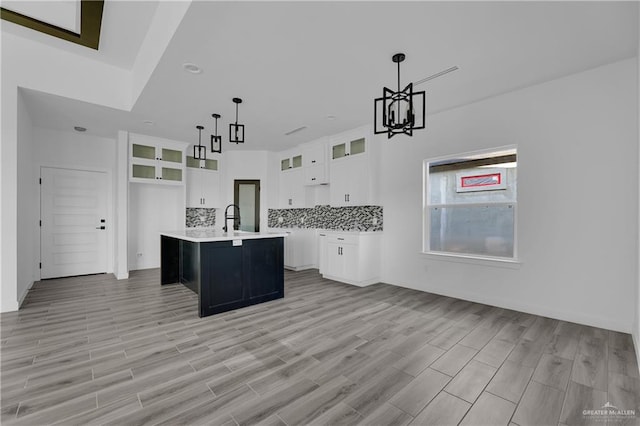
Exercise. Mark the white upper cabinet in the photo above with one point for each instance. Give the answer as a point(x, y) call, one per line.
point(291, 191)
point(155, 160)
point(315, 153)
point(352, 161)
point(316, 170)
point(203, 183)
point(345, 161)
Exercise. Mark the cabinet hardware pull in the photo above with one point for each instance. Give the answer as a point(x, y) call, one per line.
point(341, 239)
point(313, 161)
point(313, 178)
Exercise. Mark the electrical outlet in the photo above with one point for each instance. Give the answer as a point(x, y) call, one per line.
point(280, 219)
point(374, 221)
point(203, 218)
point(302, 220)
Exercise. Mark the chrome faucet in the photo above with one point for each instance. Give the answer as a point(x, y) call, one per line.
point(236, 216)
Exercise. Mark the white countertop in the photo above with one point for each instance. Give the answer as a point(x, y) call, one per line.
point(204, 235)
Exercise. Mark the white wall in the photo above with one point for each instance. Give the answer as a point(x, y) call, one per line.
point(636, 331)
point(34, 65)
point(79, 151)
point(152, 209)
point(28, 202)
point(246, 165)
point(576, 137)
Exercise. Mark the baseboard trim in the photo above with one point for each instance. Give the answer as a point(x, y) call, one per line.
point(364, 283)
point(636, 344)
point(575, 317)
point(23, 296)
point(122, 275)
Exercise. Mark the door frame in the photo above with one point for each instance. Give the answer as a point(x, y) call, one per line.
point(109, 214)
point(236, 193)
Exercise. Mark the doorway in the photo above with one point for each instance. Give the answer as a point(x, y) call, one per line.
point(73, 212)
point(246, 195)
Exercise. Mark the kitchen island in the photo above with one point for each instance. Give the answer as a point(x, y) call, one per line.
point(226, 270)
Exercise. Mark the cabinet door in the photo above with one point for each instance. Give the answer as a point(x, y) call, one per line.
point(322, 252)
point(210, 182)
point(222, 288)
point(291, 254)
point(339, 187)
point(296, 177)
point(357, 146)
point(263, 265)
point(357, 181)
point(310, 251)
point(284, 194)
point(194, 188)
point(285, 164)
point(338, 151)
point(315, 175)
point(335, 260)
point(314, 155)
point(170, 155)
point(350, 261)
point(146, 152)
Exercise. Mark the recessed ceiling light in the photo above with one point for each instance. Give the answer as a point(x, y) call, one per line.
point(192, 68)
point(148, 122)
point(79, 129)
point(331, 117)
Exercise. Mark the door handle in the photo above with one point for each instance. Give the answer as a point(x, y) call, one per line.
point(101, 227)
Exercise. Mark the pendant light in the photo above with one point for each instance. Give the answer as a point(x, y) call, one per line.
point(216, 140)
point(398, 108)
point(236, 131)
point(199, 151)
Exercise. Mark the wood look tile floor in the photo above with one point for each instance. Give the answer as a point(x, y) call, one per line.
point(93, 350)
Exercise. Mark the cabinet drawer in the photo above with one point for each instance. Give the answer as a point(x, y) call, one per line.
point(314, 156)
point(315, 175)
point(343, 238)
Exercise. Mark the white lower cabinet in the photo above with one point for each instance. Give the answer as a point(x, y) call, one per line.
point(300, 249)
point(322, 251)
point(351, 257)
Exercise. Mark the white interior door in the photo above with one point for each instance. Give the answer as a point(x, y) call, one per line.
point(73, 234)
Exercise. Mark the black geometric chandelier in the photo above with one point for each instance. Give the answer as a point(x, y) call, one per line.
point(236, 131)
point(199, 151)
point(395, 112)
point(216, 140)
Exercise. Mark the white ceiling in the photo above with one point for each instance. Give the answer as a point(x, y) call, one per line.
point(64, 14)
point(124, 26)
point(294, 63)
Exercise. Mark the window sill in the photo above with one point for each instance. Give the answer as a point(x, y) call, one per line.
point(474, 260)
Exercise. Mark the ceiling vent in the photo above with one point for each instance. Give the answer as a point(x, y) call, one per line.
point(299, 129)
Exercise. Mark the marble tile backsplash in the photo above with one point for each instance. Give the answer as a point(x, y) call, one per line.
point(359, 218)
point(197, 217)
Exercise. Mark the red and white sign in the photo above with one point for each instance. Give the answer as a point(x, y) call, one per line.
point(485, 180)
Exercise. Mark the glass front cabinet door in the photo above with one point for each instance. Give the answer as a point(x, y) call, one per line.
point(155, 162)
